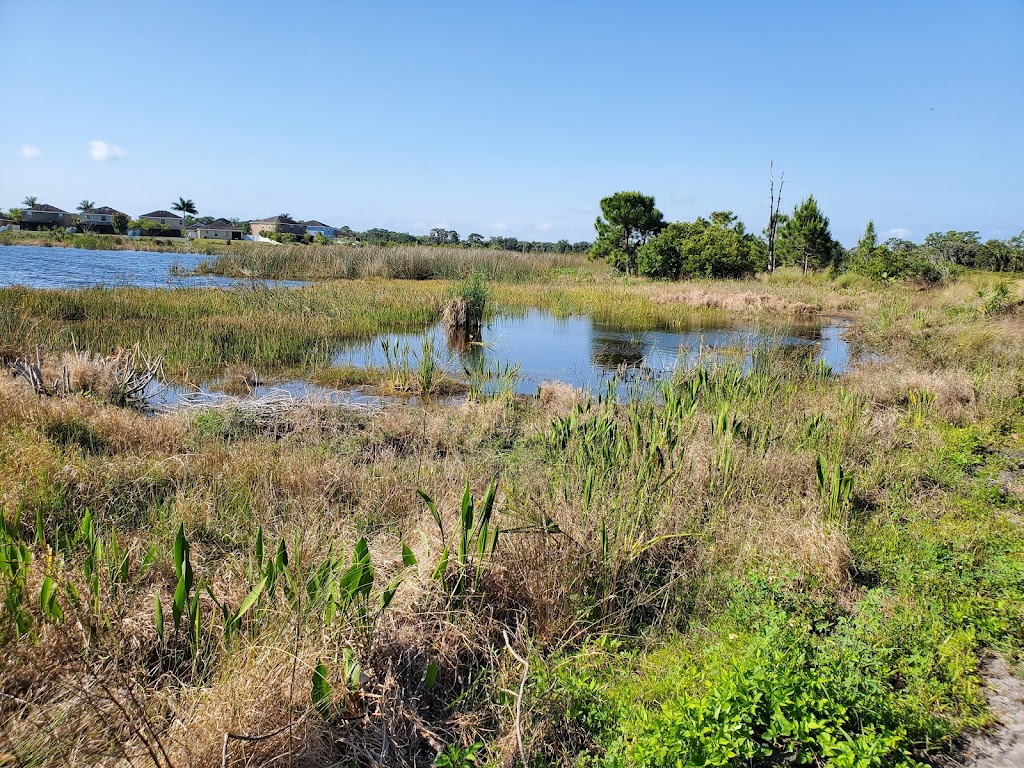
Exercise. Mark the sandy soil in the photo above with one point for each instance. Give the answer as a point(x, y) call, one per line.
point(1003, 746)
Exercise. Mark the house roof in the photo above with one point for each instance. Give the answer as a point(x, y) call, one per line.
point(219, 224)
point(276, 220)
point(106, 210)
point(315, 223)
point(47, 208)
point(160, 215)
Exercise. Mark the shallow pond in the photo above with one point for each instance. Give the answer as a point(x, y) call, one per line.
point(53, 267)
point(587, 353)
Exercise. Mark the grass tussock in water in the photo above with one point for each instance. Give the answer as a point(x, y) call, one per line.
point(735, 567)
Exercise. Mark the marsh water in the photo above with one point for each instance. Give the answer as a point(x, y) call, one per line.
point(587, 353)
point(516, 351)
point(54, 267)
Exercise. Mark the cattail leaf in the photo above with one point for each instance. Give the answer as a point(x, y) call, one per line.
point(158, 617)
point(408, 558)
point(320, 690)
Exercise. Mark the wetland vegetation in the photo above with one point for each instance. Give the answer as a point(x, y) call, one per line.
point(742, 564)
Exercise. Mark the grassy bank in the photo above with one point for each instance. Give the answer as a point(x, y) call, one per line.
point(782, 566)
point(91, 241)
point(202, 331)
point(346, 262)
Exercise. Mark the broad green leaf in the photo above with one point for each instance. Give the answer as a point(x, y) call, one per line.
point(320, 693)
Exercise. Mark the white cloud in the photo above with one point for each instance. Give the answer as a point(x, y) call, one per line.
point(101, 151)
point(501, 227)
point(30, 151)
point(546, 226)
point(901, 232)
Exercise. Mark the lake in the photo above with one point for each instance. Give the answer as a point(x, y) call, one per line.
point(42, 267)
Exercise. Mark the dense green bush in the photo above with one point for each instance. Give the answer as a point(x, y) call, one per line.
point(701, 248)
point(884, 263)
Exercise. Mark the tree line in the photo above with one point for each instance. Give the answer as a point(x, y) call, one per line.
point(633, 236)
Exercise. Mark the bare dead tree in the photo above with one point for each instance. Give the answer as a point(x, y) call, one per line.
point(773, 212)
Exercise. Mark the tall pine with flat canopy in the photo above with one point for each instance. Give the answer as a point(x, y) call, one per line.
point(628, 220)
point(805, 239)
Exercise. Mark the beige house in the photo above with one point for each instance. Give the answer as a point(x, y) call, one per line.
point(160, 219)
point(278, 224)
point(98, 220)
point(221, 229)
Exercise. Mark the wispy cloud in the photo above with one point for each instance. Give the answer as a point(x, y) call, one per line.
point(901, 232)
point(30, 151)
point(102, 151)
point(546, 226)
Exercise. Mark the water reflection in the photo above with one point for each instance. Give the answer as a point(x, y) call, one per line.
point(586, 353)
point(611, 351)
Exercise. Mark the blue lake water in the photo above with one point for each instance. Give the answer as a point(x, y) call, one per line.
point(42, 267)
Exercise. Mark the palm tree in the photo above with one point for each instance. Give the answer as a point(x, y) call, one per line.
point(30, 201)
point(184, 206)
point(87, 206)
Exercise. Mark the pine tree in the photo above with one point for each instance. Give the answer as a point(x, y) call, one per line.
point(868, 241)
point(805, 239)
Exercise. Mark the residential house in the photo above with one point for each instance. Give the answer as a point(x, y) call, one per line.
point(278, 224)
point(99, 220)
point(219, 229)
point(158, 220)
point(42, 216)
point(314, 227)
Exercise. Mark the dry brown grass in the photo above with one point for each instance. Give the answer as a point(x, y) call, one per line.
point(741, 301)
point(888, 385)
point(89, 692)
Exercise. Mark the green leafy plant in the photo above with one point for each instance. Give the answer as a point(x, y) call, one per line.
point(457, 756)
point(835, 487)
point(474, 533)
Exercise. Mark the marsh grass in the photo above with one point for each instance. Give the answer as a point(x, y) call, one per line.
point(681, 571)
point(348, 262)
point(199, 331)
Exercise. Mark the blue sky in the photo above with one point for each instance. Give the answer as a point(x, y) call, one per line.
point(517, 117)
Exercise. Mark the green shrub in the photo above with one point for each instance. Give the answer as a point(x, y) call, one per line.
point(699, 249)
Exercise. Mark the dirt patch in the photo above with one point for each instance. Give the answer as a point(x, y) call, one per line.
point(1011, 480)
point(1002, 747)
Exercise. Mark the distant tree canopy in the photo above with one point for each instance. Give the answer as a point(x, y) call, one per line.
point(387, 237)
point(941, 254)
point(720, 247)
point(628, 220)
